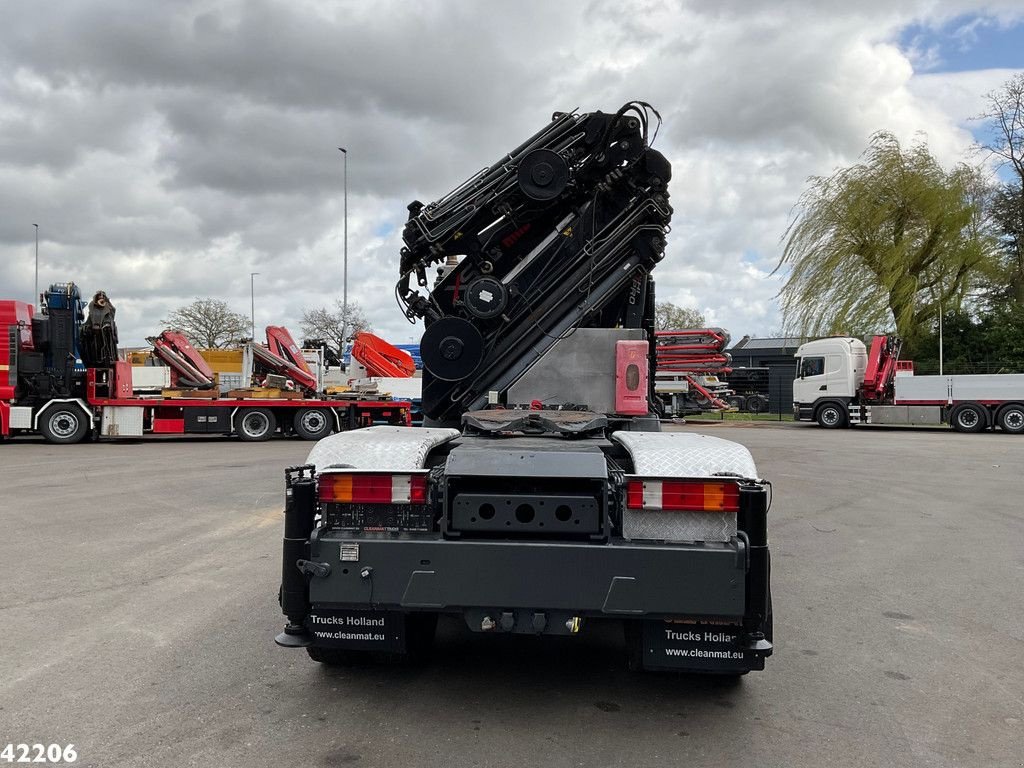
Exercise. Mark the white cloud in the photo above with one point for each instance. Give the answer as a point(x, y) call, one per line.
point(168, 150)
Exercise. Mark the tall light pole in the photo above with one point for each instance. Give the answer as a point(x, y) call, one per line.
point(36, 297)
point(940, 337)
point(344, 278)
point(252, 304)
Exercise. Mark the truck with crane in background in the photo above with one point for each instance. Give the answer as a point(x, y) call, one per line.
point(841, 383)
point(62, 377)
point(541, 494)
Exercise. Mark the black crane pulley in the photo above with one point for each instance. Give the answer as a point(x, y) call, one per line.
point(451, 348)
point(543, 174)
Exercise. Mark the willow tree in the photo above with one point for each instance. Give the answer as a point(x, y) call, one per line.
point(884, 243)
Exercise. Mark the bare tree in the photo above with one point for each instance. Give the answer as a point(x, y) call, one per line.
point(209, 323)
point(334, 328)
point(1004, 114)
point(669, 317)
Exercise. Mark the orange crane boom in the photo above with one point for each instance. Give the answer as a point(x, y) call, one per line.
point(381, 358)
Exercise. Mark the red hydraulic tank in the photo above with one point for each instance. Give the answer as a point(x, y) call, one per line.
point(631, 378)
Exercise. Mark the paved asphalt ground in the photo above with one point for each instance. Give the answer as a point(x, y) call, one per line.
point(138, 609)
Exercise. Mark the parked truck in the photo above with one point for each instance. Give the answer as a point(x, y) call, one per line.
point(61, 377)
point(542, 494)
point(750, 389)
point(841, 383)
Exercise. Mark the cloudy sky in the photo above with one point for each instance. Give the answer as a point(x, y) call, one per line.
point(167, 150)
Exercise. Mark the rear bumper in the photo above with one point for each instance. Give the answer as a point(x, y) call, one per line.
point(622, 579)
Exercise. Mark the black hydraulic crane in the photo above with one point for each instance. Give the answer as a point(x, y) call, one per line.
point(561, 233)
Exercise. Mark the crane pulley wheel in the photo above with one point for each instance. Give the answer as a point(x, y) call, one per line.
point(543, 174)
point(451, 348)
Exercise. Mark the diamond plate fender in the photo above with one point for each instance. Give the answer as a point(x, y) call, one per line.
point(383, 447)
point(684, 454)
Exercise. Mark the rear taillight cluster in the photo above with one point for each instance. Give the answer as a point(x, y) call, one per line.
point(682, 495)
point(373, 488)
point(382, 502)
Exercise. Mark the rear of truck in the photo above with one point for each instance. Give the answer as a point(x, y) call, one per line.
point(541, 495)
point(538, 533)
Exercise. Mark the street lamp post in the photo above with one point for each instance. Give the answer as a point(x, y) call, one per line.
point(940, 337)
point(344, 278)
point(252, 304)
point(36, 298)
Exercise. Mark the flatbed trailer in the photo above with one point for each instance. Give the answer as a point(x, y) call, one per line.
point(71, 420)
point(49, 385)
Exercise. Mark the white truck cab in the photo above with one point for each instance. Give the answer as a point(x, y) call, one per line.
point(829, 371)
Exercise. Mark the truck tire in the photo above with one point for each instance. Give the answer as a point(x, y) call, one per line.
point(757, 404)
point(64, 424)
point(255, 424)
point(968, 417)
point(1011, 419)
point(313, 423)
point(737, 402)
point(832, 416)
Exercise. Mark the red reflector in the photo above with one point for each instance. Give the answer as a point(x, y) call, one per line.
point(683, 495)
point(418, 489)
point(635, 494)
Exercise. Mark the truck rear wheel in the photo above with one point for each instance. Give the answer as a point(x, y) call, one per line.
point(757, 404)
point(968, 418)
point(256, 424)
point(1011, 419)
point(64, 424)
point(312, 423)
point(832, 416)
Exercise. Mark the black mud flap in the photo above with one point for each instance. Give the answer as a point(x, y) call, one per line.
point(691, 647)
point(357, 630)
